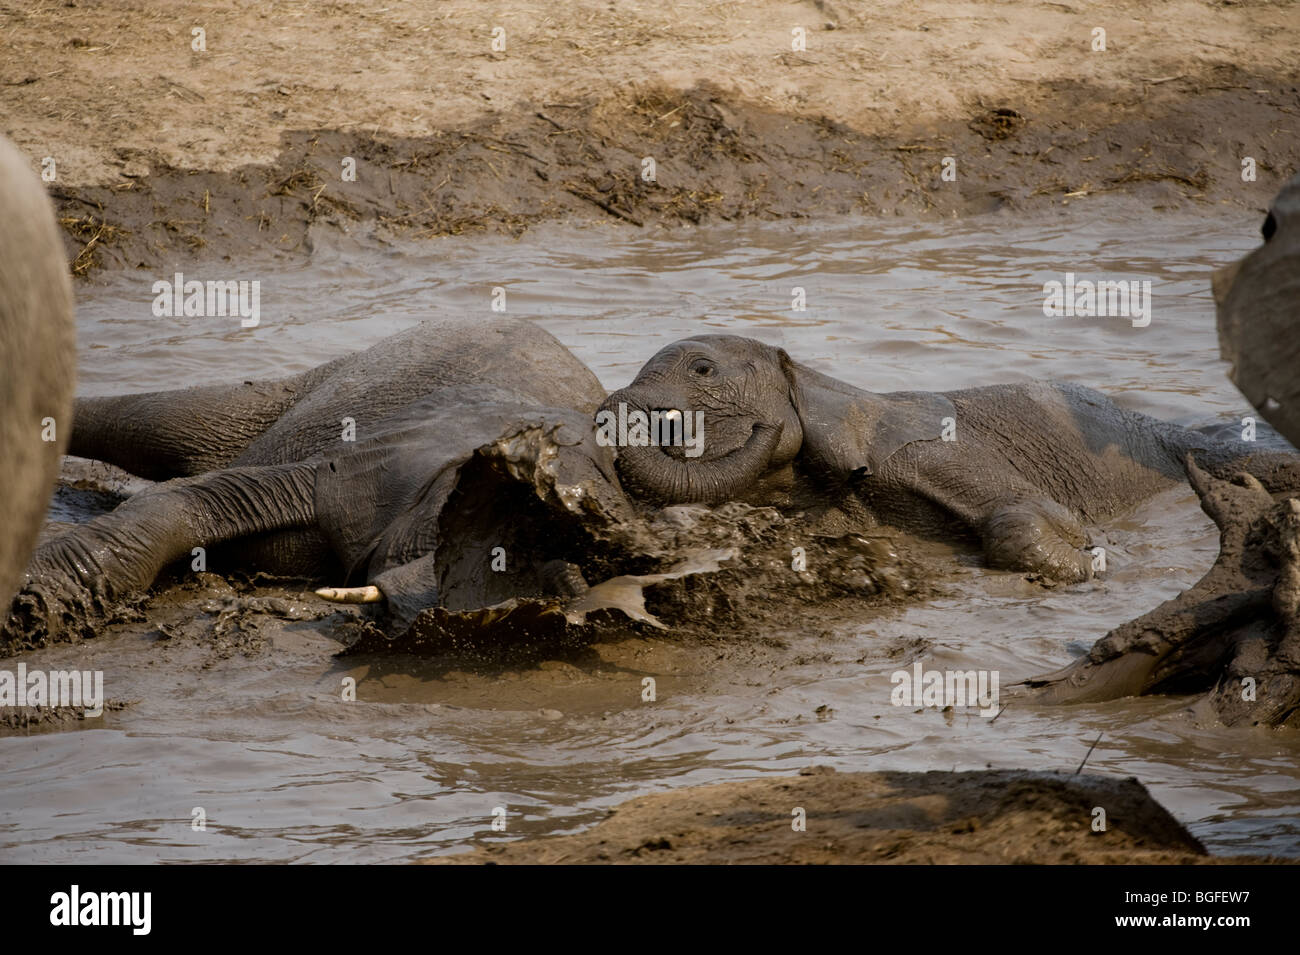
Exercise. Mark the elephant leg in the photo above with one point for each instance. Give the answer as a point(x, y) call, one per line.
point(167, 434)
point(1039, 536)
point(74, 579)
point(1020, 527)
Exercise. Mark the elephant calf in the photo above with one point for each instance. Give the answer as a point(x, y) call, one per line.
point(458, 465)
point(1021, 468)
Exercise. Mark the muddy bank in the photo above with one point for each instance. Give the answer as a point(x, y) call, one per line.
point(715, 158)
point(997, 817)
point(180, 133)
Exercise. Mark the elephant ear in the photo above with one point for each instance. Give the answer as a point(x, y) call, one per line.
point(848, 431)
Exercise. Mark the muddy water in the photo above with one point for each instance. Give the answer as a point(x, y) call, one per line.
point(285, 771)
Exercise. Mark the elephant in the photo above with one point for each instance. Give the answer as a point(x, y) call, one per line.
point(38, 359)
point(1257, 303)
point(1235, 634)
point(1021, 468)
point(452, 464)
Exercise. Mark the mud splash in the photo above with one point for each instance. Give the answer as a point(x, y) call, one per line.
point(723, 569)
point(1234, 633)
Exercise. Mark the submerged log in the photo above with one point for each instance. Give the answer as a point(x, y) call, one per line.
point(1235, 633)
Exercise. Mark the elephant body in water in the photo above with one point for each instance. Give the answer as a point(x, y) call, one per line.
point(1020, 468)
point(457, 465)
point(452, 464)
point(38, 360)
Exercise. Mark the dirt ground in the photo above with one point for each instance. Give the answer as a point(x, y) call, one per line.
point(163, 152)
point(988, 818)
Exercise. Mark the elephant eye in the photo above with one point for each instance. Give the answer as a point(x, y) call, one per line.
point(1269, 227)
point(702, 367)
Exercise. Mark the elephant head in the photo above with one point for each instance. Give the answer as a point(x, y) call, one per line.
point(1258, 301)
point(422, 507)
point(748, 412)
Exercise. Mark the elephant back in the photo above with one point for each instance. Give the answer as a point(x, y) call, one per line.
point(350, 398)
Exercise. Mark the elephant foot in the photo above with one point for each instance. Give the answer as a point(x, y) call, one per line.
point(46, 610)
point(1234, 635)
point(68, 594)
point(1039, 537)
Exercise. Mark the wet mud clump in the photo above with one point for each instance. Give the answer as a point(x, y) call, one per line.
point(718, 158)
point(701, 572)
point(577, 573)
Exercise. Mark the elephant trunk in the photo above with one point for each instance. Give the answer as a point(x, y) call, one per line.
point(649, 473)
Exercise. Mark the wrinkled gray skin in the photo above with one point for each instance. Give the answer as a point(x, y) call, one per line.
point(469, 436)
point(1031, 465)
point(1258, 309)
point(38, 356)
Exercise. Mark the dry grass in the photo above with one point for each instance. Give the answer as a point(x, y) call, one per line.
point(93, 233)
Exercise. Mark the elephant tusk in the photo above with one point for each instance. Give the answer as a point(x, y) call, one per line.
point(368, 594)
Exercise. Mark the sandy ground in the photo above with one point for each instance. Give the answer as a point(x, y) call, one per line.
point(163, 152)
point(989, 818)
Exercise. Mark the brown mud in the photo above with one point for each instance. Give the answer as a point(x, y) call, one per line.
point(735, 610)
point(720, 621)
point(1001, 817)
point(696, 571)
